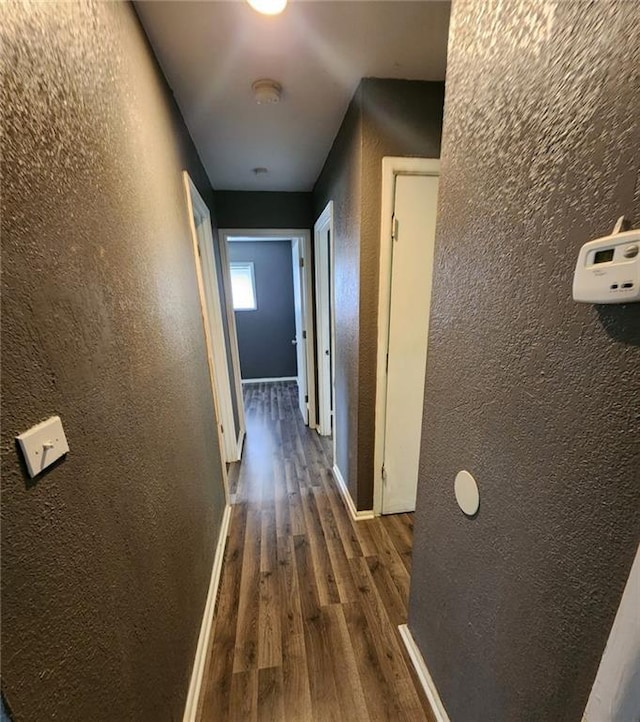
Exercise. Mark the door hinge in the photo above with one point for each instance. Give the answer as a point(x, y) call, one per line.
point(386, 368)
point(199, 251)
point(384, 473)
point(301, 262)
point(394, 229)
point(306, 398)
point(304, 334)
point(221, 429)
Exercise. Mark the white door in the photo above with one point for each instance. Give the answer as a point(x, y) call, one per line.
point(300, 340)
point(322, 241)
point(412, 265)
point(208, 291)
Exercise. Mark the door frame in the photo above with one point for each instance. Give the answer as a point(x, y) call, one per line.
point(299, 306)
point(303, 237)
point(391, 167)
point(197, 209)
point(615, 689)
point(324, 275)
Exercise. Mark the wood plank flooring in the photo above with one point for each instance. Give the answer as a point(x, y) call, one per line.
point(310, 601)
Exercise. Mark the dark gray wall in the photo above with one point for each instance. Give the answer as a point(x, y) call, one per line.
point(264, 335)
point(399, 118)
point(340, 182)
point(385, 117)
point(537, 396)
point(106, 558)
point(264, 209)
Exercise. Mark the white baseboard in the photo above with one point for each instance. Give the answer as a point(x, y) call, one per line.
point(269, 380)
point(241, 436)
point(425, 678)
point(197, 674)
point(355, 514)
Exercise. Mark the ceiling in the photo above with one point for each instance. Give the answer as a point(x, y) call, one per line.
point(211, 52)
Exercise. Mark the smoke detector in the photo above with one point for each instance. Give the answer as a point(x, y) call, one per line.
point(266, 91)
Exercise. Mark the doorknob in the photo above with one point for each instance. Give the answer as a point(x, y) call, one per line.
point(326, 353)
point(294, 341)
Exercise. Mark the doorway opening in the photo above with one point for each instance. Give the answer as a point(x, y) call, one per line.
point(269, 304)
point(325, 337)
point(209, 294)
point(407, 237)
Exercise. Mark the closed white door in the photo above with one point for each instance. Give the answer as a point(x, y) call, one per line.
point(300, 340)
point(411, 273)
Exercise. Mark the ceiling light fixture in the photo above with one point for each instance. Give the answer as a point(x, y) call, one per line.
point(260, 171)
point(266, 91)
point(268, 7)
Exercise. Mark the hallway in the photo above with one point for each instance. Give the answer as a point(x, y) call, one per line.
point(309, 602)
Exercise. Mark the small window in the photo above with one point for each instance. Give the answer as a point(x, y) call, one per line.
point(243, 287)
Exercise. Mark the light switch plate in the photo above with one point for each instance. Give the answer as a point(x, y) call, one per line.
point(43, 444)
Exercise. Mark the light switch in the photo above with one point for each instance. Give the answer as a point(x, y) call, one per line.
point(43, 444)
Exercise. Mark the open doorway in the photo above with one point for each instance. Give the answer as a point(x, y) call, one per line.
point(209, 293)
point(270, 300)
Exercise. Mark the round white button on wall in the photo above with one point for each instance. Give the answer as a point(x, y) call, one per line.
point(467, 494)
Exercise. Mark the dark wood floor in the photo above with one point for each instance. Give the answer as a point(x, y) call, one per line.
point(309, 602)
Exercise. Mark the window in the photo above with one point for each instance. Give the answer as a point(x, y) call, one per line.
point(243, 286)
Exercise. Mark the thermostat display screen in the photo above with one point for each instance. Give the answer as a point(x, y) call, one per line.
point(603, 256)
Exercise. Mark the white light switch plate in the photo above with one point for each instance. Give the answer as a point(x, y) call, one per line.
point(43, 444)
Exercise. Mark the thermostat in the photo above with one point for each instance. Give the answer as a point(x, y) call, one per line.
point(608, 269)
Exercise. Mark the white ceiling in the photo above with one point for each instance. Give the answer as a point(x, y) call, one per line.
point(211, 52)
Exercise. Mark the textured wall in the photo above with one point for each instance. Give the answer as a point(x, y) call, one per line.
point(340, 182)
point(386, 117)
point(106, 557)
point(268, 209)
point(539, 397)
point(264, 335)
point(399, 118)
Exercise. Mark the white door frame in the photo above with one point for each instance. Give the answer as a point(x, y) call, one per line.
point(324, 278)
point(391, 167)
point(198, 211)
point(616, 690)
point(300, 323)
point(303, 237)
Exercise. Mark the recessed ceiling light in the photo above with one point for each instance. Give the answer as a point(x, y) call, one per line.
point(266, 91)
point(268, 7)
